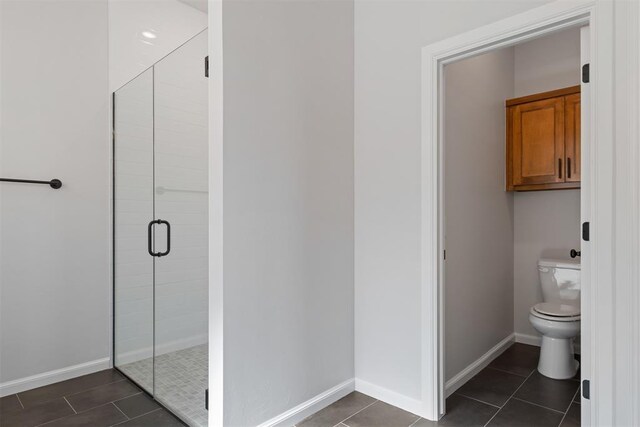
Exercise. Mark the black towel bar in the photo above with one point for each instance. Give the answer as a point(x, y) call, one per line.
point(54, 183)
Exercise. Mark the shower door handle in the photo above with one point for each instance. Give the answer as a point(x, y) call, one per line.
point(150, 238)
point(162, 221)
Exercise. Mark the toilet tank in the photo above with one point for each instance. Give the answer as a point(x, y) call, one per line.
point(560, 280)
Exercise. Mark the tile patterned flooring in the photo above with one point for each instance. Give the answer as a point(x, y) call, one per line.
point(180, 380)
point(101, 399)
point(509, 392)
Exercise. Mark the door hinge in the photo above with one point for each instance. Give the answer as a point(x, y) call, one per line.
point(444, 254)
point(585, 231)
point(206, 399)
point(206, 66)
point(585, 73)
point(586, 392)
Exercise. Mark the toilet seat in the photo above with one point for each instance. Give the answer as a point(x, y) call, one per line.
point(556, 312)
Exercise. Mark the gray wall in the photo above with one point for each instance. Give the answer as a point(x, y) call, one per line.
point(288, 204)
point(388, 39)
point(548, 63)
point(478, 212)
point(54, 244)
point(547, 223)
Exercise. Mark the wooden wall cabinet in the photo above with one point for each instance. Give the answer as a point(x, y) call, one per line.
point(543, 141)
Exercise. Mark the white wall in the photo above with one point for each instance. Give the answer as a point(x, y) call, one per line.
point(389, 36)
point(478, 210)
point(547, 223)
point(288, 204)
point(130, 52)
point(54, 244)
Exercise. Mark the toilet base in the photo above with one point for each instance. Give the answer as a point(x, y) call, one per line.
point(557, 358)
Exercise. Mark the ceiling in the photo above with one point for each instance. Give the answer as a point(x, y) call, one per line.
point(201, 5)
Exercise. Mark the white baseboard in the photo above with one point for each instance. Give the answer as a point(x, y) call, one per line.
point(536, 340)
point(311, 406)
point(169, 347)
point(46, 378)
point(410, 404)
point(528, 339)
point(470, 371)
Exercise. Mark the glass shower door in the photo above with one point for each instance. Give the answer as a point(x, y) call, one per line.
point(161, 231)
point(181, 199)
point(133, 290)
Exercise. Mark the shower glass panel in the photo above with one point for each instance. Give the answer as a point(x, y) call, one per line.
point(133, 209)
point(161, 231)
point(181, 179)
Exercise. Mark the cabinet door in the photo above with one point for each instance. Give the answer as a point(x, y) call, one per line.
point(538, 142)
point(572, 137)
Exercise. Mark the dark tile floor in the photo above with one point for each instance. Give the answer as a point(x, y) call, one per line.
point(102, 399)
point(509, 392)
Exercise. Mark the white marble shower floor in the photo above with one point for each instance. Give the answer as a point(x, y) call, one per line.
point(180, 381)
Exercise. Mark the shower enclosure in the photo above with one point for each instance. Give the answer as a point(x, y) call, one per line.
point(160, 230)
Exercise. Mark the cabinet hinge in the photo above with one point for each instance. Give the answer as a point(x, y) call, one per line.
point(586, 392)
point(206, 399)
point(206, 66)
point(585, 73)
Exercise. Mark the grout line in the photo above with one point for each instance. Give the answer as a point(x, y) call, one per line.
point(509, 372)
point(125, 415)
point(93, 388)
point(562, 420)
point(569, 407)
point(53, 421)
point(357, 412)
point(74, 393)
point(74, 409)
point(61, 418)
point(537, 404)
point(123, 398)
point(478, 400)
point(20, 401)
point(134, 418)
point(494, 415)
point(507, 401)
point(69, 416)
point(145, 413)
point(415, 422)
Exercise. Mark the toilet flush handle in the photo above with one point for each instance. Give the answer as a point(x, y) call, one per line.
point(574, 253)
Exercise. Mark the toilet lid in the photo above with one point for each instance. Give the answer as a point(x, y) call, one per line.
point(557, 309)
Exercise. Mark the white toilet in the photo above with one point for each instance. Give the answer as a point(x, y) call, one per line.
point(558, 317)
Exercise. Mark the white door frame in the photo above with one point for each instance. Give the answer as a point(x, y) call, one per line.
point(598, 272)
point(216, 223)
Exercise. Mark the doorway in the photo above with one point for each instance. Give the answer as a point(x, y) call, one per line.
point(527, 26)
point(507, 222)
